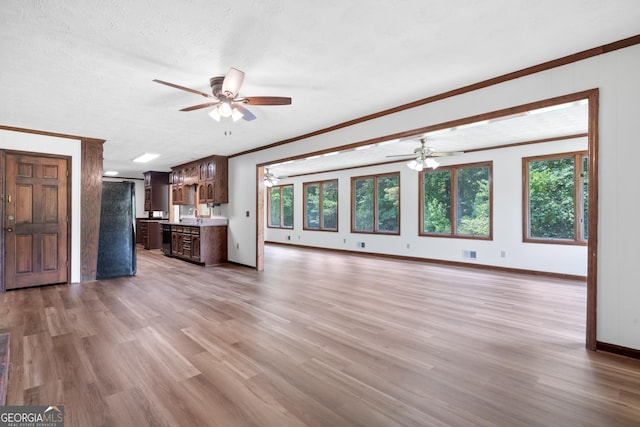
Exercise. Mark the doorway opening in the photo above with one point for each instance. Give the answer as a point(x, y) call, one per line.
point(591, 134)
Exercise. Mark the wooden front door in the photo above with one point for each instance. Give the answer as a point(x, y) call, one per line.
point(36, 220)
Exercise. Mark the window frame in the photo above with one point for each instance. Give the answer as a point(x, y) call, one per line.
point(578, 199)
point(454, 202)
point(269, 191)
point(320, 184)
point(375, 178)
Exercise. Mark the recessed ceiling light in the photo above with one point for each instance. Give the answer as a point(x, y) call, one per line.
point(550, 108)
point(146, 157)
point(472, 125)
point(391, 141)
point(111, 173)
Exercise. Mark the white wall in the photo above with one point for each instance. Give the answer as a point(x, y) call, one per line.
point(614, 73)
point(21, 141)
point(507, 217)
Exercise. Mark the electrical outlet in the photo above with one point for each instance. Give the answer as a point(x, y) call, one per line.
point(288, 237)
point(503, 254)
point(237, 246)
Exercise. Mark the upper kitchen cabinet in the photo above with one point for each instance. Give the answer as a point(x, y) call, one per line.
point(156, 191)
point(216, 182)
point(208, 174)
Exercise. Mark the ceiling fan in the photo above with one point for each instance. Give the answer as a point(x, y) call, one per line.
point(424, 156)
point(224, 96)
point(270, 179)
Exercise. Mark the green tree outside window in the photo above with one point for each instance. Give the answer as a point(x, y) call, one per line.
point(468, 189)
point(321, 205)
point(280, 206)
point(557, 197)
point(376, 204)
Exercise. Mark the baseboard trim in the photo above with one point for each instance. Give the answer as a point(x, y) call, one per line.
point(239, 264)
point(442, 262)
point(618, 349)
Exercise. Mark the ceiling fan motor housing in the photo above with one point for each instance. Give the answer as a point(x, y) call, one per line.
point(216, 86)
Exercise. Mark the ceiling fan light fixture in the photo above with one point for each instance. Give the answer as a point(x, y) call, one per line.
point(215, 114)
point(431, 163)
point(269, 179)
point(415, 165)
point(419, 164)
point(225, 110)
point(236, 115)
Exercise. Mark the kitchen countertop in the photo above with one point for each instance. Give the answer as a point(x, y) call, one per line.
point(201, 222)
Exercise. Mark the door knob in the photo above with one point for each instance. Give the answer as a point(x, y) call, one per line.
point(9, 229)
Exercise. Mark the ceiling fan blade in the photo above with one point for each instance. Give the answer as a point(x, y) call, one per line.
point(199, 106)
point(197, 92)
point(246, 114)
point(266, 100)
point(232, 82)
point(445, 153)
point(402, 155)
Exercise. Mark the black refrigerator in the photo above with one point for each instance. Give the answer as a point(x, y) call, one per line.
point(117, 238)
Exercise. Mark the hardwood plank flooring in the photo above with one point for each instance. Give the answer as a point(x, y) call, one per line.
point(317, 339)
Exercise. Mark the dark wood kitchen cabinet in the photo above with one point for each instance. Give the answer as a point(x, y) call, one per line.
point(156, 191)
point(205, 245)
point(182, 187)
point(150, 233)
point(209, 175)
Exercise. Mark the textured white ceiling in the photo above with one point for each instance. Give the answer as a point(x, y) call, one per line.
point(86, 68)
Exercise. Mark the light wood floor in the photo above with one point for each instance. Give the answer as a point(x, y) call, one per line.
point(318, 339)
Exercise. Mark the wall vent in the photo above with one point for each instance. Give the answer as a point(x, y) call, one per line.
point(468, 254)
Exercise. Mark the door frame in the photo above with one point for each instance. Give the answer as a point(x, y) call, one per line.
point(592, 95)
point(3, 168)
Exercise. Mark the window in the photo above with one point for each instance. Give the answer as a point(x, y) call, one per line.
point(555, 202)
point(375, 204)
point(456, 201)
point(321, 205)
point(280, 206)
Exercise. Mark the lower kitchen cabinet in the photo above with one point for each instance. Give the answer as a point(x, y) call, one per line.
point(205, 245)
point(150, 233)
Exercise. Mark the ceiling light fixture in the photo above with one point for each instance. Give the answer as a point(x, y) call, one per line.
point(111, 173)
point(269, 179)
point(215, 115)
point(224, 109)
point(421, 162)
point(472, 125)
point(146, 157)
point(236, 115)
point(550, 108)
